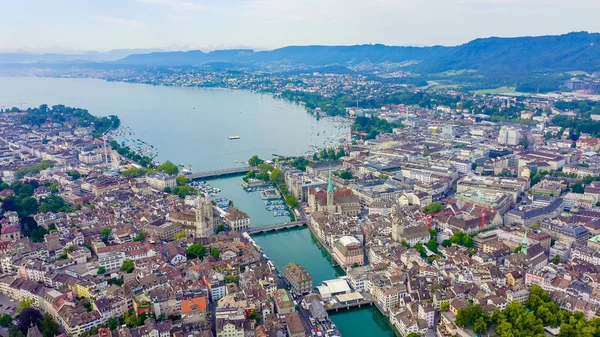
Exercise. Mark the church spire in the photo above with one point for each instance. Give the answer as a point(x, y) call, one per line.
point(524, 244)
point(330, 201)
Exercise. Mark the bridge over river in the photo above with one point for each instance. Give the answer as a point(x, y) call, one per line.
point(220, 173)
point(274, 227)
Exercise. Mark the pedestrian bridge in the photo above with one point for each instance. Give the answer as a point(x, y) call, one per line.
point(220, 173)
point(274, 227)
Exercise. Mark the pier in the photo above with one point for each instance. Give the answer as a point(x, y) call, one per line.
point(274, 227)
point(220, 173)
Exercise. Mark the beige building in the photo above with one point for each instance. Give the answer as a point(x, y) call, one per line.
point(237, 220)
point(298, 277)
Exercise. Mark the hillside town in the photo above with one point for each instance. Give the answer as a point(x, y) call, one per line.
point(450, 222)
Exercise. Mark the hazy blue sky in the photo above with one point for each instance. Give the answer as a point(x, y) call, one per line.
point(175, 24)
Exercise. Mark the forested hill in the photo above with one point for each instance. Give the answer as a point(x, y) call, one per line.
point(573, 51)
point(294, 55)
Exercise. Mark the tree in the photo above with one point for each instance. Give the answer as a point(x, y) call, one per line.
point(577, 188)
point(24, 304)
point(276, 175)
point(27, 318)
point(182, 180)
point(556, 259)
point(434, 207)
point(14, 331)
point(5, 320)
point(255, 316)
point(112, 323)
point(48, 327)
point(101, 270)
point(412, 334)
point(141, 236)
point(291, 201)
point(524, 142)
point(445, 306)
point(105, 234)
point(466, 317)
point(480, 326)
point(178, 236)
point(127, 267)
point(346, 175)
point(214, 252)
point(255, 161)
point(168, 167)
point(195, 251)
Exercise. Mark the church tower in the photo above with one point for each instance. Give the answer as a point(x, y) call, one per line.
point(330, 201)
point(524, 244)
point(398, 224)
point(204, 216)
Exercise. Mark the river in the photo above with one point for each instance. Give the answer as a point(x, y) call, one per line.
point(191, 126)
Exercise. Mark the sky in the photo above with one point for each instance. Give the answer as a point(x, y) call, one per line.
point(78, 25)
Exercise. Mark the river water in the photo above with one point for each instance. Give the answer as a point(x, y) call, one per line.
point(191, 126)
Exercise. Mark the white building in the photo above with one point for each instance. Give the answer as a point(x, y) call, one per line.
point(509, 136)
point(160, 181)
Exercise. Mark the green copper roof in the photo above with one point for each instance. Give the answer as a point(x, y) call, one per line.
point(330, 184)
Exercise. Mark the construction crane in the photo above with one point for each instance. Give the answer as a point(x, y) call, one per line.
point(431, 216)
point(362, 134)
point(483, 214)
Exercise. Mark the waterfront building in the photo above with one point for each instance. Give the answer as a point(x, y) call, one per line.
point(332, 288)
point(236, 219)
point(349, 252)
point(298, 278)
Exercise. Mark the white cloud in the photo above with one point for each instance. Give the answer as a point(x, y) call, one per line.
point(185, 5)
point(125, 22)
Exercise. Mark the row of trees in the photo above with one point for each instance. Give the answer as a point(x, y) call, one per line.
point(126, 152)
point(276, 176)
point(34, 169)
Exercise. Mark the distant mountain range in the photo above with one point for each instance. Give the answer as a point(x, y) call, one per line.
point(90, 56)
point(573, 51)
